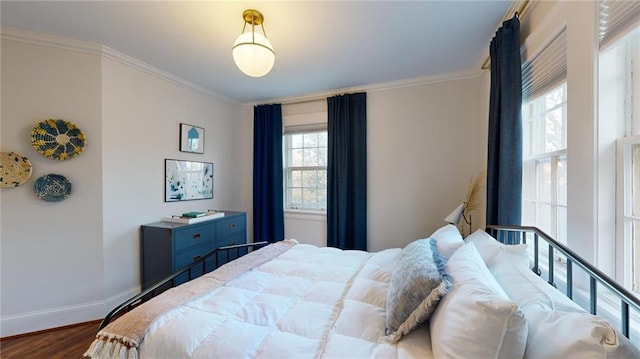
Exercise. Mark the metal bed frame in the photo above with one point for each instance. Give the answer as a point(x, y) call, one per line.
point(230, 253)
point(519, 234)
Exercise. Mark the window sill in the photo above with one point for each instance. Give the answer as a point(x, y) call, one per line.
point(305, 214)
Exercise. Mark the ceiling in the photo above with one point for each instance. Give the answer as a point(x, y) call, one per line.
point(320, 46)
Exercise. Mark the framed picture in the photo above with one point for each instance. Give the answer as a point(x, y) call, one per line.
point(187, 180)
point(191, 138)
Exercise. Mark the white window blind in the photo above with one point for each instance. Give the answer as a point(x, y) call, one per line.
point(617, 18)
point(546, 69)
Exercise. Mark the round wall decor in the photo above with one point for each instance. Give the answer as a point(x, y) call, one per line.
point(15, 169)
point(52, 187)
point(58, 139)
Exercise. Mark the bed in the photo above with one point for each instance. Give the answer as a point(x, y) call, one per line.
point(438, 297)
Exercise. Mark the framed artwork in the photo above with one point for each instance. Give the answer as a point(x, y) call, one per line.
point(187, 180)
point(191, 138)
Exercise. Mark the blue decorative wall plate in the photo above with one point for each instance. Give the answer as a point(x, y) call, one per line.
point(52, 187)
point(58, 139)
point(15, 169)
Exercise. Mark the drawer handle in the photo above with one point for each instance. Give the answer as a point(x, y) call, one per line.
point(232, 226)
point(196, 236)
point(196, 258)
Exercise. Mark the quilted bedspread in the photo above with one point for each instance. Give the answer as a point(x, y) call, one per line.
point(314, 302)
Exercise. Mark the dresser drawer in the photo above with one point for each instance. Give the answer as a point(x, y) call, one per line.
point(193, 236)
point(184, 259)
point(231, 226)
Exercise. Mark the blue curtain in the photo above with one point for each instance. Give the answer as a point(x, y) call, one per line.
point(268, 206)
point(347, 171)
point(504, 163)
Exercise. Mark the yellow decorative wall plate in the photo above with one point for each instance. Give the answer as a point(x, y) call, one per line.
point(15, 169)
point(58, 139)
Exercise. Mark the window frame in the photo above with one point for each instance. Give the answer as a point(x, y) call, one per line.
point(627, 248)
point(288, 170)
point(624, 216)
point(535, 154)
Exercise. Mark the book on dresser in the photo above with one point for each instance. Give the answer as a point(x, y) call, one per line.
point(194, 217)
point(168, 246)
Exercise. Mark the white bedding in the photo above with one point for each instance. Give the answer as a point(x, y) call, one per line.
point(308, 302)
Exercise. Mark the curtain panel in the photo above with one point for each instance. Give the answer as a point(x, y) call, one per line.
point(268, 192)
point(347, 171)
point(504, 162)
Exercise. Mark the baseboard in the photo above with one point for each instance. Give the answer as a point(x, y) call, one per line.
point(62, 316)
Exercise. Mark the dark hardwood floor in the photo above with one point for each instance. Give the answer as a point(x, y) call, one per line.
point(67, 342)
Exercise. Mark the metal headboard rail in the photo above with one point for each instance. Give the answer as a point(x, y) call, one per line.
point(170, 281)
point(627, 298)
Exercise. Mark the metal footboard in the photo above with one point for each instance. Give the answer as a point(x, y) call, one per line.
point(521, 234)
point(193, 270)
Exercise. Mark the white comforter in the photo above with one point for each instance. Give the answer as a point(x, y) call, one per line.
point(308, 302)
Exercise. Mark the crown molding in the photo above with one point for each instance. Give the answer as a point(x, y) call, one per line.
point(382, 86)
point(40, 39)
point(35, 38)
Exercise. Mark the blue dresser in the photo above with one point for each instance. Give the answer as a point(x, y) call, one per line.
point(166, 247)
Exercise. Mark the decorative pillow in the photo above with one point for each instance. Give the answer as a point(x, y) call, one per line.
point(569, 335)
point(448, 239)
point(418, 281)
point(489, 247)
point(526, 288)
point(476, 319)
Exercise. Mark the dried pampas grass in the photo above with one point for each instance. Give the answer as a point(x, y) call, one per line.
point(474, 197)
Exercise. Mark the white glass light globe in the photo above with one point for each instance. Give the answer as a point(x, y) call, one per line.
point(253, 58)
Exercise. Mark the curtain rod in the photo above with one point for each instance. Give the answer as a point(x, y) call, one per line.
point(520, 13)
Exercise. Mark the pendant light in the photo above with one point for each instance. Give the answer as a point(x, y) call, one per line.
point(252, 51)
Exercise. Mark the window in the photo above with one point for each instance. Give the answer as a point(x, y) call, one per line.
point(544, 182)
point(619, 101)
point(544, 125)
point(306, 170)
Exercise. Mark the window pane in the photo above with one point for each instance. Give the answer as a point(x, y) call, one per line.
point(310, 157)
point(322, 139)
point(322, 156)
point(561, 180)
point(310, 198)
point(296, 178)
point(310, 140)
point(322, 179)
point(554, 131)
point(635, 246)
point(296, 197)
point(561, 224)
point(635, 180)
point(296, 141)
point(544, 219)
point(528, 213)
point(544, 181)
point(309, 178)
point(296, 157)
point(555, 97)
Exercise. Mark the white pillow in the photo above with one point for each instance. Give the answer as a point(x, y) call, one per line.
point(526, 288)
point(448, 240)
point(489, 247)
point(476, 319)
point(569, 335)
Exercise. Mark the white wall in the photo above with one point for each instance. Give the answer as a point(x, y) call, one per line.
point(51, 252)
point(72, 261)
point(423, 149)
point(141, 117)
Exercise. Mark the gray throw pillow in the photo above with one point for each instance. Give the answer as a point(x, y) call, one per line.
point(418, 281)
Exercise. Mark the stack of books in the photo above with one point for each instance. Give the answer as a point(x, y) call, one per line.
point(194, 217)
